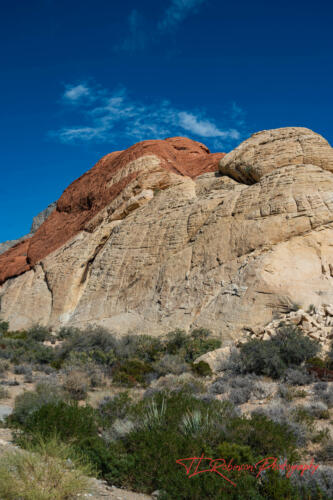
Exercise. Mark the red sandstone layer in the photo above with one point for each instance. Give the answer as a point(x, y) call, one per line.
point(90, 193)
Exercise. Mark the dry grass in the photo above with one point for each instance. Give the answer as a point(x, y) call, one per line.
point(43, 473)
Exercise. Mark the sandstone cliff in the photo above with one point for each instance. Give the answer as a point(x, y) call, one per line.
point(167, 235)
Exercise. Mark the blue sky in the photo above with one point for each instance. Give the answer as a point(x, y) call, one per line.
point(82, 78)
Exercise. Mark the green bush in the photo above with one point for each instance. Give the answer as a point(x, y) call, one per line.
point(4, 325)
point(288, 348)
point(38, 333)
point(69, 421)
point(294, 346)
point(116, 407)
point(169, 427)
point(31, 401)
point(143, 347)
point(191, 346)
point(96, 344)
point(18, 348)
point(131, 372)
point(202, 368)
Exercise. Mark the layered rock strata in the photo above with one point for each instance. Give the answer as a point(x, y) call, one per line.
point(155, 238)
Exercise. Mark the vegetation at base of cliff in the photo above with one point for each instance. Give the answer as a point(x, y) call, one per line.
point(135, 445)
point(288, 348)
point(133, 440)
point(86, 357)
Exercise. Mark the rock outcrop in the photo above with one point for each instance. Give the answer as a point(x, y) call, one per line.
point(154, 238)
point(37, 221)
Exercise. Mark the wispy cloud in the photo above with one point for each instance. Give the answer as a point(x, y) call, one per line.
point(177, 12)
point(74, 93)
point(113, 116)
point(140, 32)
point(136, 38)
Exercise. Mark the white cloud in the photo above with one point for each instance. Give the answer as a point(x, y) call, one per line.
point(74, 93)
point(177, 11)
point(203, 127)
point(113, 116)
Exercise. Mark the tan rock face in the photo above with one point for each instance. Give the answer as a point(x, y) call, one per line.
point(271, 149)
point(173, 250)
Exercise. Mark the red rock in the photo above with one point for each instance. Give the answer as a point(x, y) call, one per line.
point(90, 193)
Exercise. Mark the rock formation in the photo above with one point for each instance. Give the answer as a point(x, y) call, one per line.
point(37, 221)
point(154, 238)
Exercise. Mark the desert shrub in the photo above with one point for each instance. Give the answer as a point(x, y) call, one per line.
point(239, 387)
point(285, 392)
point(262, 390)
point(67, 331)
point(170, 363)
point(76, 384)
point(97, 377)
point(297, 376)
point(42, 473)
point(24, 350)
point(238, 453)
point(219, 386)
point(16, 335)
point(23, 369)
point(240, 395)
point(10, 382)
point(71, 423)
point(294, 346)
point(261, 357)
point(31, 401)
point(202, 369)
point(38, 333)
point(320, 387)
point(317, 409)
point(131, 372)
point(115, 407)
point(298, 422)
point(288, 348)
point(83, 362)
point(317, 486)
point(185, 382)
point(94, 344)
point(324, 392)
point(325, 454)
point(3, 392)
point(176, 341)
point(68, 421)
point(118, 430)
point(4, 366)
point(29, 378)
point(188, 427)
point(4, 325)
point(318, 362)
point(143, 347)
point(140, 448)
point(191, 346)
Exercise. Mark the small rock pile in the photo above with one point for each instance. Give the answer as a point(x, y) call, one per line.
point(317, 323)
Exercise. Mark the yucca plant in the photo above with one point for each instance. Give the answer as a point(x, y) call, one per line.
point(154, 414)
point(193, 422)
